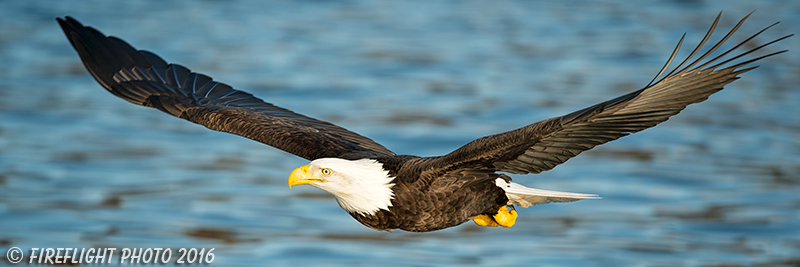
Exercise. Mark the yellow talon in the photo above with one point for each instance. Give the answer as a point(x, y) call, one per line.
point(506, 218)
point(485, 220)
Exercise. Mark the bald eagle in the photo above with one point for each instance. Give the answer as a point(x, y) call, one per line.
point(386, 191)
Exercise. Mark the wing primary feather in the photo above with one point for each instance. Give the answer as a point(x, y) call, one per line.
point(669, 61)
point(696, 49)
point(756, 59)
point(730, 33)
point(751, 51)
point(737, 46)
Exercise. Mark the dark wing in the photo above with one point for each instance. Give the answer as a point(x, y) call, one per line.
point(145, 79)
point(543, 145)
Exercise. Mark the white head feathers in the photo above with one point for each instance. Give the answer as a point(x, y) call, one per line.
point(360, 186)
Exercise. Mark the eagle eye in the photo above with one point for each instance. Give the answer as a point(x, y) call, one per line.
point(326, 172)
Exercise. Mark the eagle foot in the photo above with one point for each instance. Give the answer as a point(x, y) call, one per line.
point(485, 220)
point(506, 216)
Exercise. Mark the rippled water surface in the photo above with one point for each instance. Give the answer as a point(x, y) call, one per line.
point(717, 185)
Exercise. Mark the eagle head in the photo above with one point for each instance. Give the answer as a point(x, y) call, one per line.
point(360, 186)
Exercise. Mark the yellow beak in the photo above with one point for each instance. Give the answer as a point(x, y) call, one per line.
point(301, 176)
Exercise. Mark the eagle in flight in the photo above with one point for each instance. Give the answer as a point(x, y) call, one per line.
point(383, 190)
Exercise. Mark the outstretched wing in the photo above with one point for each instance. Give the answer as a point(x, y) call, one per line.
point(145, 79)
point(543, 145)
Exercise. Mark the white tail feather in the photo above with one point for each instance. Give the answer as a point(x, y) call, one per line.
point(526, 196)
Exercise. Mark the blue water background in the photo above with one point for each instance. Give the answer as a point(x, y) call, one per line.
point(719, 184)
